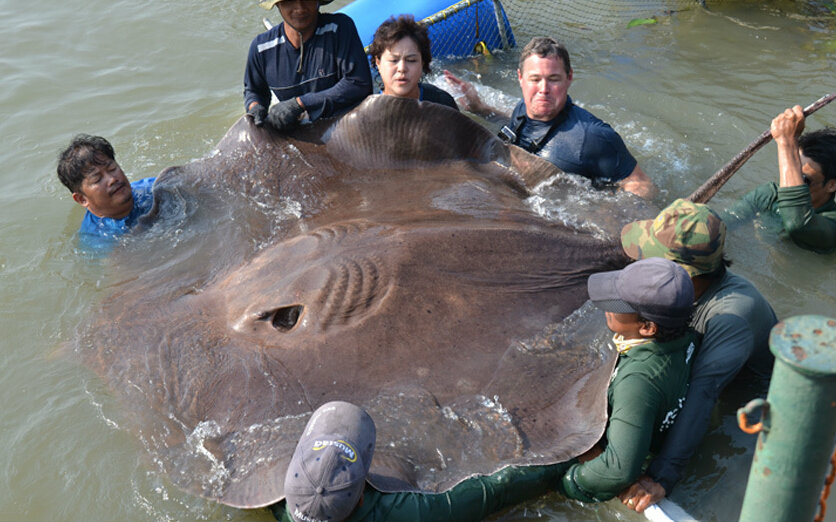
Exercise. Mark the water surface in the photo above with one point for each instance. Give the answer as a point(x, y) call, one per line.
point(163, 81)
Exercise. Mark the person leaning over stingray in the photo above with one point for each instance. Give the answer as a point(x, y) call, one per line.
point(731, 316)
point(547, 122)
point(648, 305)
point(313, 62)
point(401, 53)
point(326, 479)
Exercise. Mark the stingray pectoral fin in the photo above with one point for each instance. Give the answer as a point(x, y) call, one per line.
point(531, 168)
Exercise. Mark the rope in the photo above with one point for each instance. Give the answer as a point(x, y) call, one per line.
point(826, 491)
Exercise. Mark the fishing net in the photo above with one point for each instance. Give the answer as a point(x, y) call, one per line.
point(554, 17)
point(470, 26)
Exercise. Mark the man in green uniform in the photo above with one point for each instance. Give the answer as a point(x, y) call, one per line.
point(326, 479)
point(731, 316)
point(648, 305)
point(803, 196)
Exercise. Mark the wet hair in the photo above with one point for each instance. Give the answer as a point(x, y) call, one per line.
point(545, 47)
point(668, 333)
point(820, 146)
point(394, 30)
point(84, 152)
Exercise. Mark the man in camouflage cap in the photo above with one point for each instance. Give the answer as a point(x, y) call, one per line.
point(686, 233)
point(730, 314)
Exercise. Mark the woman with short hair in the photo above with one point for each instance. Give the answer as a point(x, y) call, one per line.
point(401, 53)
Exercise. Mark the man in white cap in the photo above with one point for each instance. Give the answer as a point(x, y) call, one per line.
point(313, 62)
point(326, 479)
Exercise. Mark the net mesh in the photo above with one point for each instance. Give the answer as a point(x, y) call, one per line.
point(546, 17)
point(465, 26)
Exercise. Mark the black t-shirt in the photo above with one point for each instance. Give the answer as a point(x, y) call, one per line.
point(431, 93)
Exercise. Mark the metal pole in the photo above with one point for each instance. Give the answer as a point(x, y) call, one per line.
point(799, 423)
point(500, 24)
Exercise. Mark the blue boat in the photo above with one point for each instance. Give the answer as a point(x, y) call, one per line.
point(455, 29)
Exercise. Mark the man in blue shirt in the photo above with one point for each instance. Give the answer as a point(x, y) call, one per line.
point(88, 168)
point(546, 122)
point(313, 62)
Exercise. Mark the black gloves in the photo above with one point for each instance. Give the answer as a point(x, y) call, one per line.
point(259, 113)
point(285, 115)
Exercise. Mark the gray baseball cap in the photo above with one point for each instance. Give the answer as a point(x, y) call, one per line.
point(327, 473)
point(657, 289)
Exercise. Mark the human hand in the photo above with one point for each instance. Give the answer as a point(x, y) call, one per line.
point(469, 100)
point(258, 112)
point(788, 125)
point(642, 494)
point(285, 115)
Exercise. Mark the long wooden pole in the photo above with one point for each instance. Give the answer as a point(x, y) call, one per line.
point(710, 187)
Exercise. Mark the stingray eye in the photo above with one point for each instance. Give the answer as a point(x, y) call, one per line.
point(284, 318)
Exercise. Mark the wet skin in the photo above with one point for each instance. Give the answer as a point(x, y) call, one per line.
point(545, 86)
point(401, 68)
point(106, 191)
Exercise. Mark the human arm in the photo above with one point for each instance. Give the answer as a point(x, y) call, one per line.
point(639, 184)
point(470, 500)
point(760, 199)
point(726, 345)
point(642, 494)
point(352, 67)
point(634, 405)
point(605, 159)
point(785, 129)
point(256, 88)
point(472, 102)
point(809, 229)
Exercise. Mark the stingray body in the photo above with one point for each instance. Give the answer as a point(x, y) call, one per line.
point(390, 258)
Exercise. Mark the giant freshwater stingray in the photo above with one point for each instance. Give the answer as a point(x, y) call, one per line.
point(395, 258)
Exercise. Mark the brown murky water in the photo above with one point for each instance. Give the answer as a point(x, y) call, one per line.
point(163, 82)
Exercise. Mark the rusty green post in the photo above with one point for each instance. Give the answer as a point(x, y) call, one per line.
point(799, 423)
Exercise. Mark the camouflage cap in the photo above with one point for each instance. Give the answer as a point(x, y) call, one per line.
point(687, 233)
